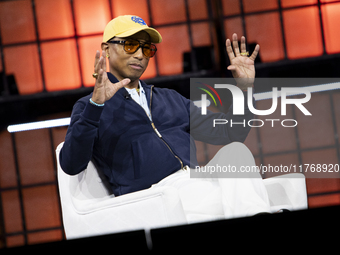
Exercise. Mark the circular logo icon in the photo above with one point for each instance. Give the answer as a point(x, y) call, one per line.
point(138, 20)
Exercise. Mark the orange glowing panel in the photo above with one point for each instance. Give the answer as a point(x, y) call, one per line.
point(11, 211)
point(91, 16)
point(302, 31)
point(323, 201)
point(170, 51)
point(16, 22)
point(233, 25)
point(31, 162)
point(198, 9)
point(41, 207)
point(165, 11)
point(150, 72)
point(265, 29)
point(60, 65)
point(7, 161)
point(23, 62)
point(331, 23)
point(200, 34)
point(45, 236)
point(259, 5)
point(87, 50)
point(138, 8)
point(15, 240)
point(316, 185)
point(319, 125)
point(336, 100)
point(54, 18)
point(231, 7)
point(291, 3)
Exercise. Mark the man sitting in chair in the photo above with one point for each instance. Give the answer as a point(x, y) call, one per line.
point(140, 137)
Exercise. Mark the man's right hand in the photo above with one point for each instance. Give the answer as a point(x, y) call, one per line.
point(104, 89)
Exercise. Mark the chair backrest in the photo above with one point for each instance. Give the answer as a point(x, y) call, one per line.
point(88, 185)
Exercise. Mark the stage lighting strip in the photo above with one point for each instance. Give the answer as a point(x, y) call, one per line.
point(66, 121)
point(39, 124)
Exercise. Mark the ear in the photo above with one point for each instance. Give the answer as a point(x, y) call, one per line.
point(105, 47)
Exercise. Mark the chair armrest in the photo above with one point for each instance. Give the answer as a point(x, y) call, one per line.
point(168, 196)
point(151, 208)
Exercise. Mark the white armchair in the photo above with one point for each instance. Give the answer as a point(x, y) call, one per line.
point(287, 191)
point(89, 209)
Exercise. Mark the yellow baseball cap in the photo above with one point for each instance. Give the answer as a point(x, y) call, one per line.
point(127, 25)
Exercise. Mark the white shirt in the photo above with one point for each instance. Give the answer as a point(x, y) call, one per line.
point(140, 98)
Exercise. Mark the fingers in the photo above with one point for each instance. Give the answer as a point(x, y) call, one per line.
point(233, 49)
point(232, 53)
point(103, 64)
point(231, 68)
point(99, 70)
point(243, 44)
point(100, 76)
point(96, 61)
point(99, 62)
point(230, 50)
point(235, 45)
point(118, 85)
point(123, 83)
point(100, 66)
point(255, 52)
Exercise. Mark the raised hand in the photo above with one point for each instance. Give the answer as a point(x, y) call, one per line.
point(104, 89)
point(242, 67)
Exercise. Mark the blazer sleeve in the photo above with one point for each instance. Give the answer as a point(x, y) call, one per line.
point(80, 137)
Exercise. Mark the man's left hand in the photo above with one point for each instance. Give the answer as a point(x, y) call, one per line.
point(242, 66)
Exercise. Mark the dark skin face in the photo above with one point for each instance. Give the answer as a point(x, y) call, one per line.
point(127, 65)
